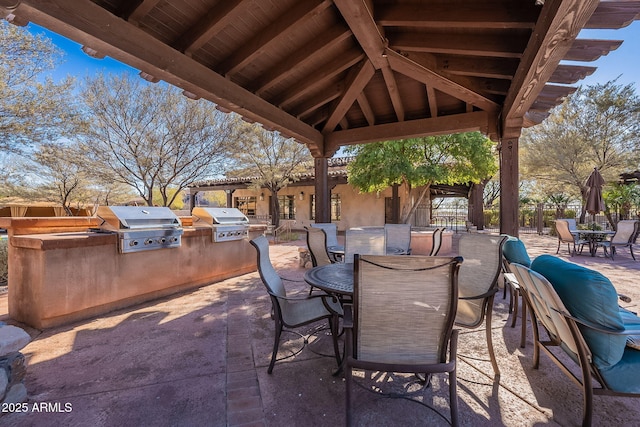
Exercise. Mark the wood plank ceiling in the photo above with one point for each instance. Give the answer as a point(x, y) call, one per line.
point(333, 73)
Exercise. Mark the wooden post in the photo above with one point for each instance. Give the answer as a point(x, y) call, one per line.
point(323, 194)
point(477, 208)
point(229, 198)
point(509, 199)
point(395, 204)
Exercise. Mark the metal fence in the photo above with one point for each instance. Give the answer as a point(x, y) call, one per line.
point(533, 219)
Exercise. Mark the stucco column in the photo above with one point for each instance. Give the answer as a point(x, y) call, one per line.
point(509, 198)
point(395, 204)
point(323, 194)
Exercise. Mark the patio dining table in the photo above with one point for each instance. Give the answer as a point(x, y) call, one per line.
point(335, 279)
point(338, 250)
point(593, 237)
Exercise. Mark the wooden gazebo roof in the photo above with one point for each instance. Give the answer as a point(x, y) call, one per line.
point(336, 72)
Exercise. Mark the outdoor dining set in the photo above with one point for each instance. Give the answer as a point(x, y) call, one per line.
point(397, 312)
point(576, 239)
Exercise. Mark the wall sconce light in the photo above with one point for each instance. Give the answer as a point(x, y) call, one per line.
point(301, 196)
point(262, 197)
point(377, 194)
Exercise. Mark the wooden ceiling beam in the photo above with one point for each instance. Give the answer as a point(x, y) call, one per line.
point(590, 50)
point(300, 59)
point(89, 24)
point(419, 72)
point(365, 107)
point(570, 74)
point(502, 68)
point(300, 14)
point(432, 100)
point(356, 81)
point(613, 15)
point(216, 19)
point(142, 10)
point(460, 44)
point(319, 77)
point(360, 19)
point(322, 98)
point(394, 93)
point(467, 16)
point(559, 24)
point(466, 122)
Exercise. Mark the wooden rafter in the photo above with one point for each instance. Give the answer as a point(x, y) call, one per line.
point(461, 44)
point(354, 85)
point(303, 56)
point(461, 16)
point(429, 77)
point(365, 107)
point(316, 79)
point(133, 46)
point(466, 122)
point(559, 24)
point(298, 15)
point(142, 9)
point(208, 27)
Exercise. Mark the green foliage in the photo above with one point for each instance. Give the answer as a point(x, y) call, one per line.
point(621, 197)
point(445, 159)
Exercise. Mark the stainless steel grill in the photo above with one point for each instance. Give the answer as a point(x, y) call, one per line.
point(142, 228)
point(227, 223)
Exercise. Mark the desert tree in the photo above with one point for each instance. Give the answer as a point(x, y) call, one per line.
point(151, 137)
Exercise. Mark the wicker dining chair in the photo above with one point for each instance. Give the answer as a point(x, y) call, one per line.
point(478, 283)
point(294, 312)
point(401, 319)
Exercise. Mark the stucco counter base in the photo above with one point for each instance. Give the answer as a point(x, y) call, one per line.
point(60, 278)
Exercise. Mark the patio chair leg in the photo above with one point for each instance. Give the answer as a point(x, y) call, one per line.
point(558, 250)
point(276, 342)
point(523, 332)
point(492, 354)
point(631, 250)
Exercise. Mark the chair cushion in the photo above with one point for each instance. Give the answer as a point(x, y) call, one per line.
point(515, 251)
point(625, 375)
point(590, 296)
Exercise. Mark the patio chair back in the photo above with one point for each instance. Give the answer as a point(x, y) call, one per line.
point(331, 230)
point(398, 236)
point(290, 312)
point(436, 241)
point(478, 283)
point(317, 244)
point(625, 232)
point(566, 236)
point(401, 319)
point(364, 241)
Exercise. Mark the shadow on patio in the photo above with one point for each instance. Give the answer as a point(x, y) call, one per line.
point(200, 358)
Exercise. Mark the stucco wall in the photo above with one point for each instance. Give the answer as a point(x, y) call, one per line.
point(59, 278)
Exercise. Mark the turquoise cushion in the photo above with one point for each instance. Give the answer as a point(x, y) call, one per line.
point(514, 251)
point(625, 375)
point(590, 296)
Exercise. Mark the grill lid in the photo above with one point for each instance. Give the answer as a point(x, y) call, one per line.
point(120, 218)
point(221, 215)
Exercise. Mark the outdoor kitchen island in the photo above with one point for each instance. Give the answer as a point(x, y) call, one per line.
point(63, 269)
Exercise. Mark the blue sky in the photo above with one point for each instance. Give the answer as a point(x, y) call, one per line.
point(623, 62)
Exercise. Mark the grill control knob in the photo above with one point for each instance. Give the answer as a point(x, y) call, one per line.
point(133, 243)
point(148, 241)
point(163, 240)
